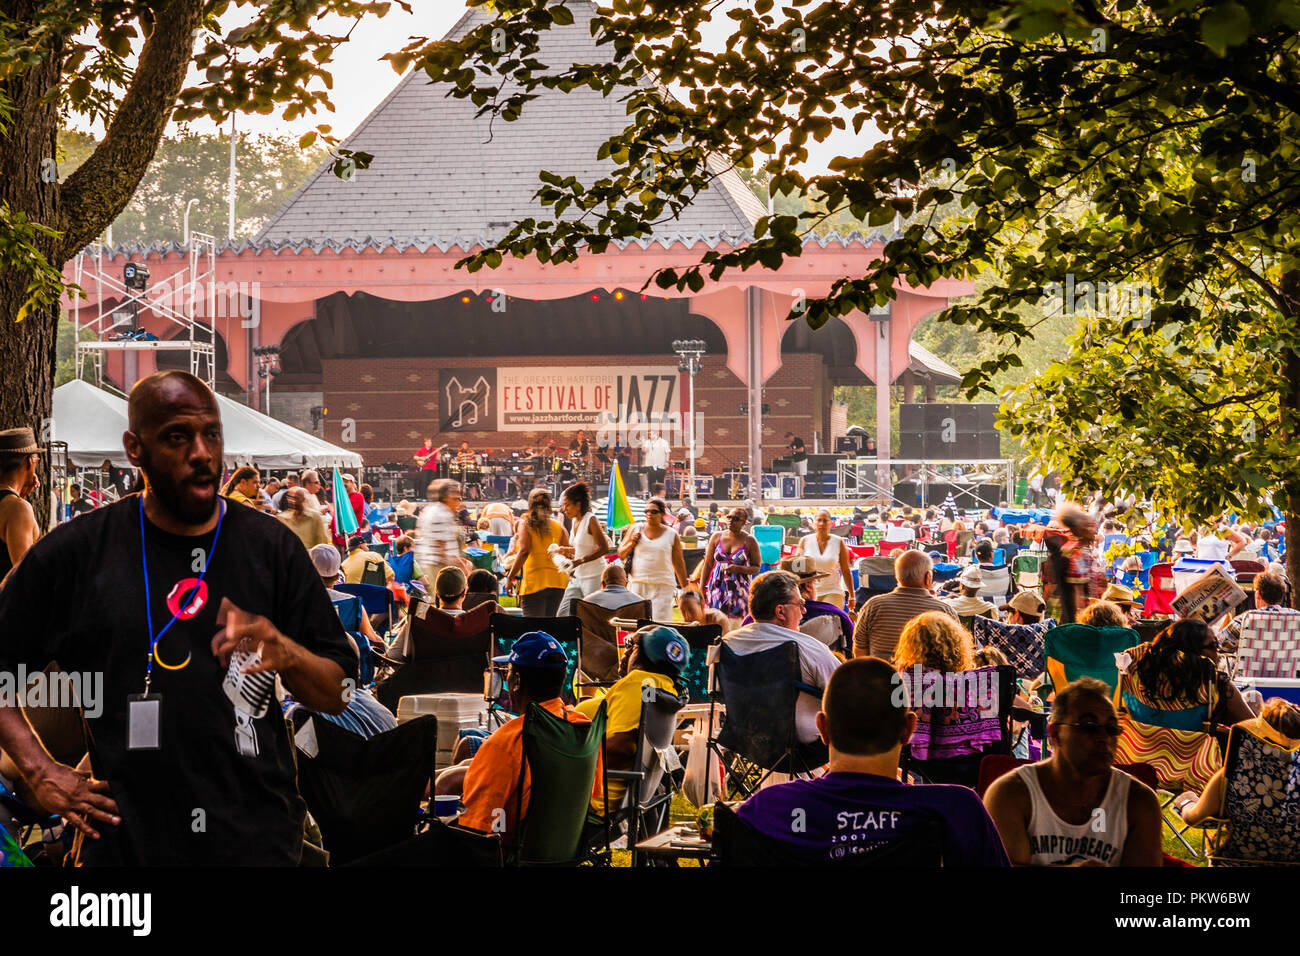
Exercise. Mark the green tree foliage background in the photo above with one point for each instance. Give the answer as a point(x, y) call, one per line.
point(192, 165)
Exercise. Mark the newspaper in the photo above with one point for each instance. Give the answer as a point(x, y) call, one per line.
point(1212, 595)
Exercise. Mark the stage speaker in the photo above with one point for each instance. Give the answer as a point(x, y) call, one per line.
point(908, 492)
point(911, 417)
point(947, 430)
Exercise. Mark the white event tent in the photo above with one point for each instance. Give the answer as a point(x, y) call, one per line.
point(91, 420)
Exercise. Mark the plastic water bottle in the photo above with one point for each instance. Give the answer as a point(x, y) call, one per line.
point(1253, 698)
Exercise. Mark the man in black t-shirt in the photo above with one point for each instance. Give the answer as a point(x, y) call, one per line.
point(798, 456)
point(199, 771)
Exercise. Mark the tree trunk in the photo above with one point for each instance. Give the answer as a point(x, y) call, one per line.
point(27, 348)
point(80, 208)
point(1290, 406)
point(1289, 414)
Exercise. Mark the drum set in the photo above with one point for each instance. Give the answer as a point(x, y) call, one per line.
point(515, 474)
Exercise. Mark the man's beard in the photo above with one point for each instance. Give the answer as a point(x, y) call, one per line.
point(170, 495)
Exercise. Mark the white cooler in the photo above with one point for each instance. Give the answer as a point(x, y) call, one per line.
point(455, 712)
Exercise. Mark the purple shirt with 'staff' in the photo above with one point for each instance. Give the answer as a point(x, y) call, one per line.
point(849, 813)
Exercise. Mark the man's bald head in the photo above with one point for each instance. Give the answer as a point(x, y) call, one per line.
point(157, 396)
point(613, 576)
point(912, 567)
point(174, 437)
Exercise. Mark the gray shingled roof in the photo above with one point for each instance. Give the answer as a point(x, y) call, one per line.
point(925, 361)
point(437, 179)
point(164, 248)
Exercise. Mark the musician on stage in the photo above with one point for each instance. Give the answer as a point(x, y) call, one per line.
point(580, 448)
point(426, 465)
point(798, 454)
point(656, 451)
point(465, 456)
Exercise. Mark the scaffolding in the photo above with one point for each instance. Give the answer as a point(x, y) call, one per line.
point(860, 478)
point(173, 297)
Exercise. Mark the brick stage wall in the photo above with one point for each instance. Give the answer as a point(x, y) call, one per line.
point(394, 404)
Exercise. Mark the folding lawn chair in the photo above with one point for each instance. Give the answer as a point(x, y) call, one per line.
point(508, 628)
point(364, 793)
point(644, 808)
point(1259, 822)
point(1268, 644)
point(447, 653)
point(560, 759)
point(950, 741)
point(759, 735)
point(1178, 744)
point(598, 652)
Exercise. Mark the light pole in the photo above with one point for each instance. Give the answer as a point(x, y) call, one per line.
point(188, 206)
point(690, 351)
point(230, 186)
point(268, 367)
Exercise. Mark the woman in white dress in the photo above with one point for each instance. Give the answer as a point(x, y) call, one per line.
point(587, 546)
point(658, 565)
point(830, 555)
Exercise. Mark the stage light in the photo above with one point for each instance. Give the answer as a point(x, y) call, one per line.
point(619, 296)
point(465, 299)
point(135, 275)
point(595, 297)
point(644, 296)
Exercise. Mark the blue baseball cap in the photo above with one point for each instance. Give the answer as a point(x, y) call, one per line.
point(663, 645)
point(535, 649)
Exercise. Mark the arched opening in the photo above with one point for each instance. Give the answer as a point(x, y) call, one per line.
point(595, 323)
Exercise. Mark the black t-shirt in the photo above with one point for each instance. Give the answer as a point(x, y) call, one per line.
point(796, 450)
point(78, 598)
point(79, 507)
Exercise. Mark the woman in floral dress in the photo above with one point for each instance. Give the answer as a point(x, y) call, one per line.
point(730, 560)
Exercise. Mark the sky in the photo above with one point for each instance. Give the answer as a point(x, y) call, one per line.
point(362, 79)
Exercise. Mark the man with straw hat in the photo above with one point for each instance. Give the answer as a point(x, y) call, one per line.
point(19, 476)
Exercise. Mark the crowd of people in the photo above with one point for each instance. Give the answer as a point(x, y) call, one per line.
point(259, 561)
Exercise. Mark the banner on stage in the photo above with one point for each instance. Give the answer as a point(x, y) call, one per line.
point(535, 399)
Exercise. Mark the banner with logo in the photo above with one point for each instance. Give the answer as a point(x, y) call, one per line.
point(562, 399)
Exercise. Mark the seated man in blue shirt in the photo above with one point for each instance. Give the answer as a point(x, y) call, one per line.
point(860, 806)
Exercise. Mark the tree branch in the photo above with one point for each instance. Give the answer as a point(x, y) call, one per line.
point(101, 187)
point(1259, 280)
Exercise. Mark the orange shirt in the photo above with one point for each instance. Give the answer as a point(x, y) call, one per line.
point(491, 783)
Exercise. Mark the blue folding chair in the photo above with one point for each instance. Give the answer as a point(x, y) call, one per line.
point(375, 599)
point(349, 610)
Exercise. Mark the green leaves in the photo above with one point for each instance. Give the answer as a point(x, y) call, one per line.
point(1226, 25)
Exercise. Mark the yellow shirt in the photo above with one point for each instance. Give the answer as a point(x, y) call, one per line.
point(539, 570)
point(242, 499)
point(355, 564)
point(623, 715)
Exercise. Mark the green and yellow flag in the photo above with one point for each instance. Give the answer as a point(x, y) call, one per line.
point(618, 513)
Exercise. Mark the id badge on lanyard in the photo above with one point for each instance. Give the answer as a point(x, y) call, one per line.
point(144, 711)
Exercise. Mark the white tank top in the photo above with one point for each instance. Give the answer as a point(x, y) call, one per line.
point(1053, 841)
point(584, 542)
point(652, 561)
point(828, 563)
